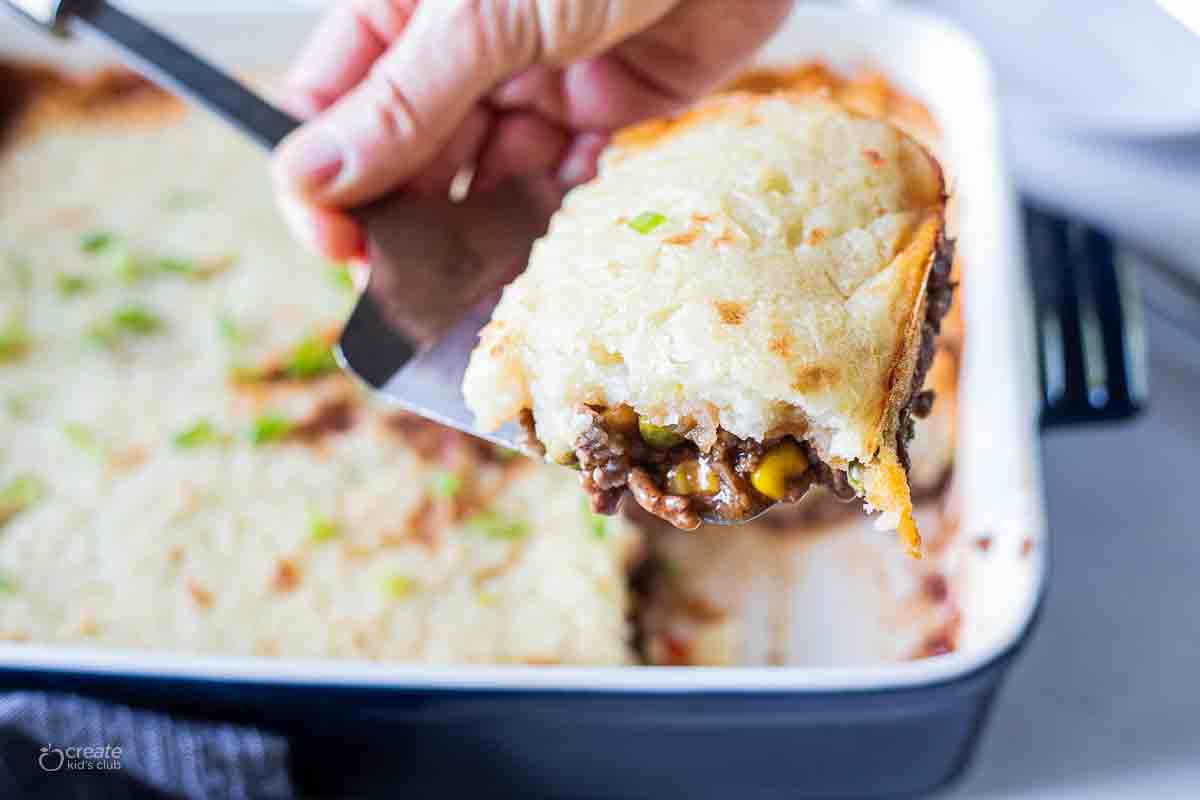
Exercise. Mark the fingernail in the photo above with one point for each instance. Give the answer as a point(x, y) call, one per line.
point(579, 164)
point(300, 220)
point(575, 170)
point(310, 160)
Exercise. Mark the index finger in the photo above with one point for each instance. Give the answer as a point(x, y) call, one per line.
point(340, 51)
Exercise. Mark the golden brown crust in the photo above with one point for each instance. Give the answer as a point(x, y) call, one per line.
point(804, 82)
point(36, 95)
point(653, 131)
point(868, 92)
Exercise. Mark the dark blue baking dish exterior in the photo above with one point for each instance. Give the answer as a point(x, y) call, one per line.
point(660, 738)
point(582, 744)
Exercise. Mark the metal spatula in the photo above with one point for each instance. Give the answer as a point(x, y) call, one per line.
point(435, 264)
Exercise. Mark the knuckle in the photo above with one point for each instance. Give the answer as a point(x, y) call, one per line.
point(388, 104)
point(385, 18)
point(506, 33)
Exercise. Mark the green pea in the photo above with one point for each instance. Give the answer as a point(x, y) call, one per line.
point(657, 436)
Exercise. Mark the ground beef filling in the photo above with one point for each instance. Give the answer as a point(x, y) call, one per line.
point(675, 481)
point(669, 476)
point(939, 294)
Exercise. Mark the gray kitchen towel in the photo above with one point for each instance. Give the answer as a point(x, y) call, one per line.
point(61, 745)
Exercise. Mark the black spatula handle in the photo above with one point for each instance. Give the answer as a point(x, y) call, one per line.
point(175, 67)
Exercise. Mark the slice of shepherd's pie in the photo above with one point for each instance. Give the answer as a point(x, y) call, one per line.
point(740, 306)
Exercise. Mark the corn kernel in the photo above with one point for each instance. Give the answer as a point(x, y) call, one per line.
point(621, 418)
point(782, 463)
point(680, 481)
point(692, 477)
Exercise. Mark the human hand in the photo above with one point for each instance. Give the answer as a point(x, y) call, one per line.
point(406, 93)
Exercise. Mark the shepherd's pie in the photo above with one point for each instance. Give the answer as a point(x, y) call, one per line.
point(742, 304)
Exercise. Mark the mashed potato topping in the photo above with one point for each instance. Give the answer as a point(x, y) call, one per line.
point(756, 267)
point(182, 465)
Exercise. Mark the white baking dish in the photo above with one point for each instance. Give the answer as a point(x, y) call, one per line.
point(925, 710)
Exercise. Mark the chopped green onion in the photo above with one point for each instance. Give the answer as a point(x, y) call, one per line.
point(269, 428)
point(177, 265)
point(130, 320)
point(8, 586)
point(311, 358)
point(20, 404)
point(597, 523)
point(399, 586)
point(445, 485)
point(23, 489)
point(14, 342)
point(229, 330)
point(82, 437)
point(339, 275)
point(320, 527)
point(199, 433)
point(497, 526)
point(137, 321)
point(18, 495)
point(70, 284)
point(195, 270)
point(97, 242)
point(129, 269)
point(599, 526)
point(17, 406)
point(647, 221)
point(22, 271)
